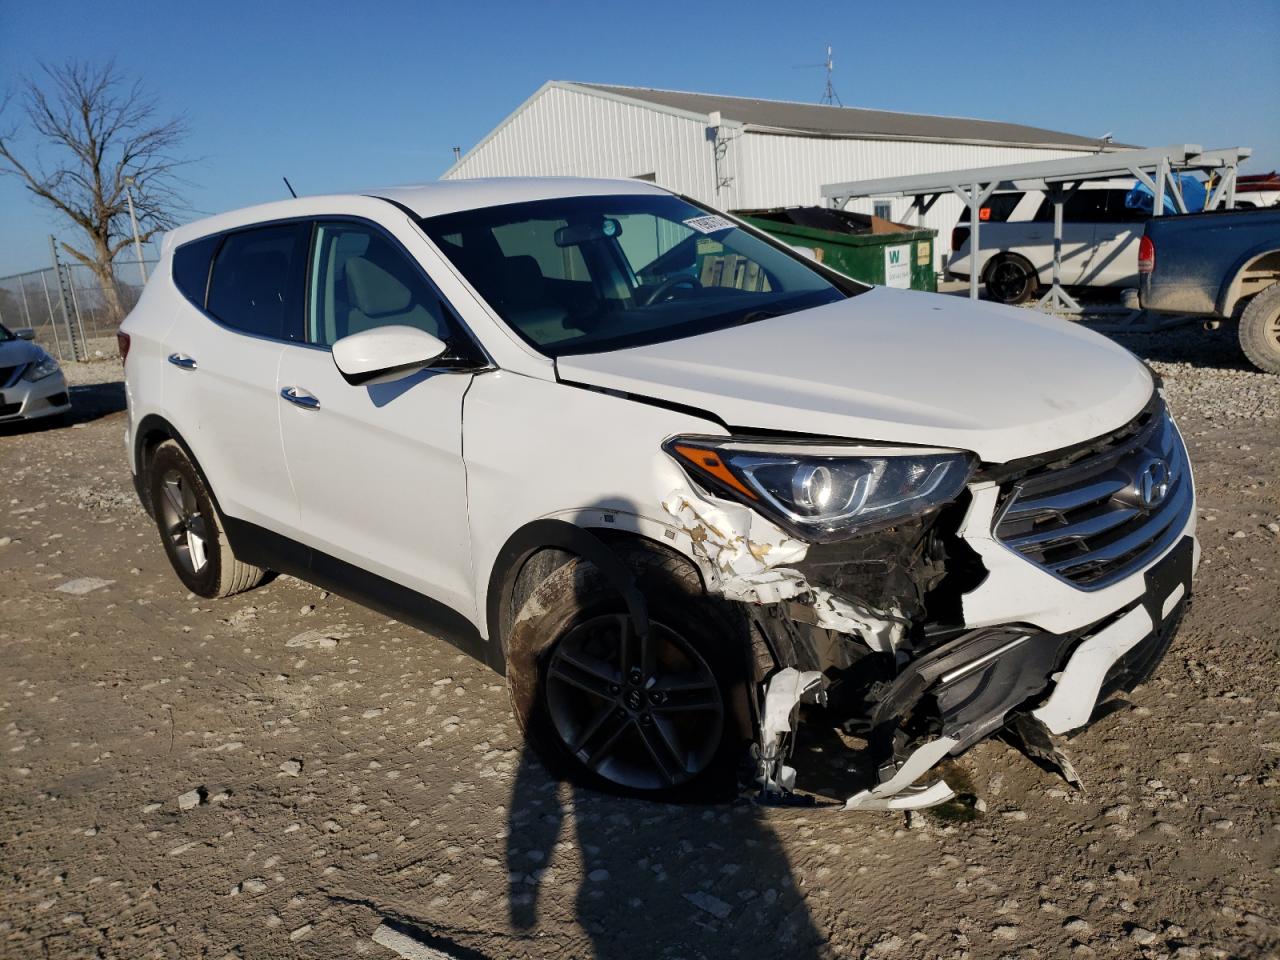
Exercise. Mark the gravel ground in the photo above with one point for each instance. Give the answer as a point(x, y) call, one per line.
point(276, 774)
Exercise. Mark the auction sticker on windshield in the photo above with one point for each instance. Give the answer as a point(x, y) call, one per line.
point(709, 224)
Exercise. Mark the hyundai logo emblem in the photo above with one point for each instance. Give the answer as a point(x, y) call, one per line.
point(1152, 483)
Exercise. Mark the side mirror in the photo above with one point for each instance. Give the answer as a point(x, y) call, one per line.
point(25, 333)
point(385, 354)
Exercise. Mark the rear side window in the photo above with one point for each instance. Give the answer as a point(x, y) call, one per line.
point(998, 208)
point(1119, 212)
point(191, 268)
point(1083, 206)
point(256, 285)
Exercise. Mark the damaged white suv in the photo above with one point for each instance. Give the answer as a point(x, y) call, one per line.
point(671, 477)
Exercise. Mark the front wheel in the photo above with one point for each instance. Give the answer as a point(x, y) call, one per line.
point(659, 716)
point(1260, 330)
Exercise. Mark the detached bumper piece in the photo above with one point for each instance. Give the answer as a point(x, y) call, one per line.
point(973, 685)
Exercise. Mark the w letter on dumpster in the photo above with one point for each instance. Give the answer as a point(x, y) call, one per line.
point(897, 266)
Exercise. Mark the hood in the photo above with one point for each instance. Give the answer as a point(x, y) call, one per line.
point(16, 352)
point(894, 366)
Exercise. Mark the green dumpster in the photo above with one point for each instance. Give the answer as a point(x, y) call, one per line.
point(866, 248)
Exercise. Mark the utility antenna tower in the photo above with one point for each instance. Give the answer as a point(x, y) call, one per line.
point(829, 95)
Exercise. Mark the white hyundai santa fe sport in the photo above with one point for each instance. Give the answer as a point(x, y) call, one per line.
point(672, 478)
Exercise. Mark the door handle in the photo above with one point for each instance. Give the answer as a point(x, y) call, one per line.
point(300, 397)
point(183, 361)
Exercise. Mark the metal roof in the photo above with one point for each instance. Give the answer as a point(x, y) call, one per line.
point(809, 119)
point(452, 196)
point(1038, 174)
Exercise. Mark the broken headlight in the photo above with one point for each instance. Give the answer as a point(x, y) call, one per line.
point(822, 492)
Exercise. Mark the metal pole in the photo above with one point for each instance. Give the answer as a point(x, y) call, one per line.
point(137, 243)
point(1058, 199)
point(57, 344)
point(62, 299)
point(975, 222)
point(22, 285)
point(75, 302)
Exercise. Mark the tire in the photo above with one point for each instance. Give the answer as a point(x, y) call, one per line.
point(678, 734)
point(1260, 330)
point(1011, 279)
point(191, 528)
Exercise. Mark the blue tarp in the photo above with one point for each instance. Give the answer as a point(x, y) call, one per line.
point(1193, 194)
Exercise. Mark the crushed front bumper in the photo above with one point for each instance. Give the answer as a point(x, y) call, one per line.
point(1066, 678)
point(973, 685)
point(1053, 583)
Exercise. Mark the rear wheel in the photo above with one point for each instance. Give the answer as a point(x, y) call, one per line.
point(1260, 330)
point(658, 716)
point(1011, 279)
point(191, 528)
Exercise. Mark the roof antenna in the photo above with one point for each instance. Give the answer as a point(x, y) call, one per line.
point(292, 192)
point(829, 95)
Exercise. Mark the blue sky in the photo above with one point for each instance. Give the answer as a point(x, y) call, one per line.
point(350, 95)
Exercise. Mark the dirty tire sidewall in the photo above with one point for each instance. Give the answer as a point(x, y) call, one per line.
point(1260, 330)
point(223, 574)
point(1030, 285)
point(577, 592)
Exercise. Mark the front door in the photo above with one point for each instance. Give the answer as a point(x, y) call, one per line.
point(378, 468)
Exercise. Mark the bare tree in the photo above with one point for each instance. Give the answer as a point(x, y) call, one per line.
point(104, 131)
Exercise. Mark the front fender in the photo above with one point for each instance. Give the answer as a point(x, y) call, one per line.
point(558, 534)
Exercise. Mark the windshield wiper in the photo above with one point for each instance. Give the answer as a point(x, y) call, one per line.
point(751, 316)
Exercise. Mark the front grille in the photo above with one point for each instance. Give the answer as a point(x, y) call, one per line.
point(9, 375)
point(1098, 519)
point(9, 409)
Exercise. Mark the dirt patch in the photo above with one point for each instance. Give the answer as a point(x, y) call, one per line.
point(330, 785)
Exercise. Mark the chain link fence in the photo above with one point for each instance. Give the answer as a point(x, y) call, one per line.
point(86, 330)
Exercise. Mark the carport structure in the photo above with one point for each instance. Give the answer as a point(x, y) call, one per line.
point(1156, 167)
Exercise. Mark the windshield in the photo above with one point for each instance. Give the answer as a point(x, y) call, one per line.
point(5, 334)
point(589, 274)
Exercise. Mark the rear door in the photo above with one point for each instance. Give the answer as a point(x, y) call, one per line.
point(222, 359)
point(378, 468)
point(1080, 215)
point(1117, 236)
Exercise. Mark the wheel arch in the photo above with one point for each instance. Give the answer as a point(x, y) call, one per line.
point(1260, 263)
point(1004, 253)
point(541, 546)
point(152, 431)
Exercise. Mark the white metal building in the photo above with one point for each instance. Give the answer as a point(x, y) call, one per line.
point(736, 153)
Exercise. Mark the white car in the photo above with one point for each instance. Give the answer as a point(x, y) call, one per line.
point(32, 386)
point(1100, 237)
point(669, 476)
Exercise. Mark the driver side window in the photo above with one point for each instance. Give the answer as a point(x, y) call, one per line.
point(360, 280)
